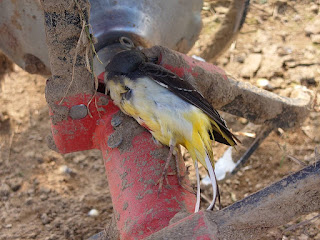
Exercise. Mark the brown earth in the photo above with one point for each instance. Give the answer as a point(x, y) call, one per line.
point(40, 199)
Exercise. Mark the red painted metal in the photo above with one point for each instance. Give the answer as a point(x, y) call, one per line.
point(139, 209)
point(132, 174)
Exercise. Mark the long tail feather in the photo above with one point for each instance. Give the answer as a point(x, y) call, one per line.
point(213, 180)
point(197, 207)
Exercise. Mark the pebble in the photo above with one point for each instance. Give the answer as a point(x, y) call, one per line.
point(240, 58)
point(30, 191)
point(4, 190)
point(271, 65)
point(264, 83)
point(93, 213)
point(43, 197)
point(45, 219)
point(251, 65)
point(283, 51)
point(314, 8)
point(29, 201)
point(79, 158)
point(15, 184)
point(9, 225)
point(64, 169)
point(233, 197)
point(297, 18)
point(45, 190)
point(243, 121)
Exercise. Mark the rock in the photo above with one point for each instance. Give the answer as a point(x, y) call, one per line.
point(45, 219)
point(64, 169)
point(15, 184)
point(9, 225)
point(251, 65)
point(43, 197)
point(240, 58)
point(243, 121)
point(314, 8)
point(297, 18)
point(278, 82)
point(308, 81)
point(31, 191)
point(313, 28)
point(271, 66)
point(256, 49)
point(283, 51)
point(222, 10)
point(29, 201)
point(315, 38)
point(286, 92)
point(4, 191)
point(44, 190)
point(281, 7)
point(51, 237)
point(79, 158)
point(93, 213)
point(264, 83)
point(304, 75)
point(312, 132)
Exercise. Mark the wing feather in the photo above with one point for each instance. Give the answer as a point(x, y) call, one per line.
point(186, 91)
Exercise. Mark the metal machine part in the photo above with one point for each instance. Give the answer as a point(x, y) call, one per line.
point(172, 23)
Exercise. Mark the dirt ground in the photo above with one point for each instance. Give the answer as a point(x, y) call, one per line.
point(277, 49)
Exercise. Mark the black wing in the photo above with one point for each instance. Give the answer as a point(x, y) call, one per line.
point(187, 92)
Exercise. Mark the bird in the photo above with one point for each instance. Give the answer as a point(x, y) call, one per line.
point(172, 110)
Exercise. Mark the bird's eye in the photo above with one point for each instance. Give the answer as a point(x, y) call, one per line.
point(126, 88)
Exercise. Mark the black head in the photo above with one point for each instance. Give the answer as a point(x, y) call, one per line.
point(125, 62)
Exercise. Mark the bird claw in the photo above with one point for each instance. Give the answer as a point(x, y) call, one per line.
point(160, 181)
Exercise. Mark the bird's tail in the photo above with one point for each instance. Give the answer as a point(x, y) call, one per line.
point(213, 181)
point(223, 135)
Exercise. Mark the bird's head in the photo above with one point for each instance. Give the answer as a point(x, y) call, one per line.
point(125, 62)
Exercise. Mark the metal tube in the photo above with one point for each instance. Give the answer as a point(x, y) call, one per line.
point(281, 202)
point(134, 164)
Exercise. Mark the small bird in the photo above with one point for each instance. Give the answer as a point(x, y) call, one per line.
point(172, 110)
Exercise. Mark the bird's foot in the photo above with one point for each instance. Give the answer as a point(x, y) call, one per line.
point(165, 170)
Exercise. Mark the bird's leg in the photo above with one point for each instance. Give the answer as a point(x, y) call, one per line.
point(166, 166)
point(179, 161)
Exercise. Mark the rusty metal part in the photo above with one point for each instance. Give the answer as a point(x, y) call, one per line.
point(63, 27)
point(228, 31)
point(250, 218)
point(22, 32)
point(238, 98)
point(175, 24)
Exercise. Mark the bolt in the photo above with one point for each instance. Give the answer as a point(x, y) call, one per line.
point(116, 120)
point(114, 140)
point(78, 111)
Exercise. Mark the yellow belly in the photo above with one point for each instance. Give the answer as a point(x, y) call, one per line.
point(170, 119)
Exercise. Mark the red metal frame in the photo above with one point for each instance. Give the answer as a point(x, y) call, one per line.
point(139, 209)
